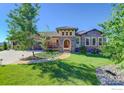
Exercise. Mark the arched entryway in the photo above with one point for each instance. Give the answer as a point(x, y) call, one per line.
point(67, 44)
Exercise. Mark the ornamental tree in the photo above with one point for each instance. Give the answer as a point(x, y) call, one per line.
point(113, 30)
point(22, 24)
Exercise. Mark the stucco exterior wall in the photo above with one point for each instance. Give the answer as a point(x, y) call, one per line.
point(67, 30)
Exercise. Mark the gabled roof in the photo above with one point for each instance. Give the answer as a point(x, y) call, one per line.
point(84, 32)
point(81, 32)
point(66, 27)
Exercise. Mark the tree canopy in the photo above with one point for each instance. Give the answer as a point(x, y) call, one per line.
point(113, 30)
point(22, 24)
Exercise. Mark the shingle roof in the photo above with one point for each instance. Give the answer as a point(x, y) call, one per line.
point(80, 32)
point(66, 27)
point(50, 34)
point(83, 32)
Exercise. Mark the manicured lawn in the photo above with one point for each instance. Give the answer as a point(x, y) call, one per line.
point(48, 54)
point(76, 70)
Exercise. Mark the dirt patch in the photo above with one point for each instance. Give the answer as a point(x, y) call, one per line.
point(64, 56)
point(31, 59)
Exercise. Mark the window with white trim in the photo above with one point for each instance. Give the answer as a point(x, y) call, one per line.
point(100, 40)
point(87, 41)
point(93, 41)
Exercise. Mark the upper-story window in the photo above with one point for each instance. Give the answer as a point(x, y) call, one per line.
point(87, 41)
point(70, 33)
point(100, 40)
point(94, 41)
point(63, 33)
point(66, 33)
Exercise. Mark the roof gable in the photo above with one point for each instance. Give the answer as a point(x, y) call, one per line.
point(85, 32)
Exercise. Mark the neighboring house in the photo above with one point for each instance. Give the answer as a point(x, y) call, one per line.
point(69, 38)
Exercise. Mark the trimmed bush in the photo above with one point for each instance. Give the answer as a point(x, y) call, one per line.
point(93, 51)
point(83, 49)
point(5, 47)
point(1, 48)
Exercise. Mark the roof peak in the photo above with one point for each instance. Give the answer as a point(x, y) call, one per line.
point(85, 31)
point(94, 29)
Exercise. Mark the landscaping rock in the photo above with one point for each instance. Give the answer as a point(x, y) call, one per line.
point(110, 75)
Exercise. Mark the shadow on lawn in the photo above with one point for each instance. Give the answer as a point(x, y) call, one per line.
point(63, 71)
point(92, 55)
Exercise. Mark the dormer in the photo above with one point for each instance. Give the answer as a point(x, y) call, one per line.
point(66, 31)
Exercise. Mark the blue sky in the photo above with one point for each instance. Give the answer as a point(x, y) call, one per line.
point(83, 16)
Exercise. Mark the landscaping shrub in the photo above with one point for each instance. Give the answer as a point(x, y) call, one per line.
point(83, 49)
point(1, 48)
point(93, 51)
point(96, 51)
point(77, 50)
point(5, 47)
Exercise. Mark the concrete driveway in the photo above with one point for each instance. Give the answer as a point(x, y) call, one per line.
point(13, 56)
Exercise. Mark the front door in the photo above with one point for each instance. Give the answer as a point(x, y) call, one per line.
point(67, 45)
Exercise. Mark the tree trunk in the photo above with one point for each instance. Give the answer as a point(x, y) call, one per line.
point(33, 51)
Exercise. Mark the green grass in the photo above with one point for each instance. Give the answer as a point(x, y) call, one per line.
point(76, 70)
point(1, 48)
point(48, 54)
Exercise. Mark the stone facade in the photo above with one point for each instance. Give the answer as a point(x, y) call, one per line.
point(72, 43)
point(92, 34)
point(68, 39)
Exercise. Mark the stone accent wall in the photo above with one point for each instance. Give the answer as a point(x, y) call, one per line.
point(72, 43)
point(69, 34)
point(61, 44)
point(91, 34)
